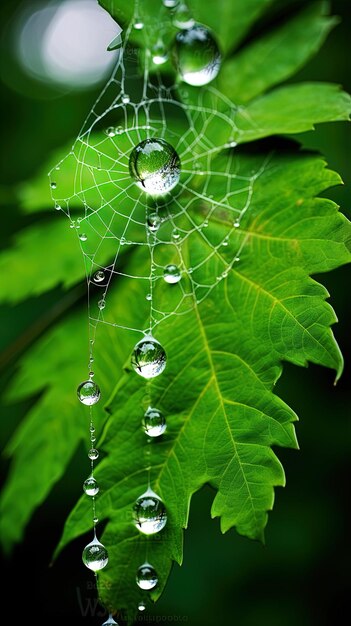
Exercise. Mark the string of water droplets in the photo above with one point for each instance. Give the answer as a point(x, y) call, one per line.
point(146, 176)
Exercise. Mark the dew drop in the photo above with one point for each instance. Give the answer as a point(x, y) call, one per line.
point(153, 222)
point(146, 577)
point(88, 392)
point(148, 297)
point(119, 130)
point(53, 185)
point(58, 207)
point(93, 454)
point(141, 606)
point(101, 304)
point(155, 166)
point(95, 520)
point(149, 513)
point(110, 131)
point(205, 224)
point(99, 276)
point(148, 358)
point(126, 97)
point(196, 55)
point(236, 224)
point(225, 242)
point(237, 258)
point(90, 486)
point(83, 237)
point(172, 274)
point(182, 18)
point(95, 555)
point(122, 241)
point(175, 235)
point(154, 422)
point(159, 54)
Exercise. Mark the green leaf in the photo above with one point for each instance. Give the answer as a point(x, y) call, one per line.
point(291, 109)
point(224, 358)
point(275, 56)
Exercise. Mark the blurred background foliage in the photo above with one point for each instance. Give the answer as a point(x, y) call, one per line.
point(300, 576)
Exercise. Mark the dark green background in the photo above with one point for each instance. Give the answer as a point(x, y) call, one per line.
point(301, 575)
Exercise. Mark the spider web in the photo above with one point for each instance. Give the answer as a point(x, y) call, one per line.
point(93, 187)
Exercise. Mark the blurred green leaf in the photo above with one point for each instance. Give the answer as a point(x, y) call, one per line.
point(275, 56)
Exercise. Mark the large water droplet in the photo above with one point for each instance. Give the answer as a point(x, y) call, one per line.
point(155, 166)
point(149, 513)
point(88, 392)
point(154, 422)
point(148, 358)
point(172, 274)
point(146, 577)
point(95, 555)
point(182, 17)
point(90, 486)
point(153, 222)
point(196, 55)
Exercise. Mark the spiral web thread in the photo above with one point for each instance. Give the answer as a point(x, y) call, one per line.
point(113, 211)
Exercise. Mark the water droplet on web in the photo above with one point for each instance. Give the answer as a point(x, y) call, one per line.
point(237, 258)
point(196, 55)
point(90, 486)
point(182, 18)
point(110, 621)
point(92, 428)
point(83, 237)
point(122, 241)
point(153, 222)
point(95, 555)
point(175, 235)
point(99, 276)
point(101, 304)
point(58, 207)
point(148, 297)
point(148, 358)
point(110, 131)
point(93, 454)
point(224, 274)
point(149, 513)
point(119, 130)
point(141, 606)
point(225, 242)
point(95, 520)
point(126, 97)
point(146, 577)
point(155, 166)
point(172, 274)
point(205, 224)
point(170, 4)
point(154, 422)
point(236, 224)
point(88, 392)
point(159, 54)
point(53, 185)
